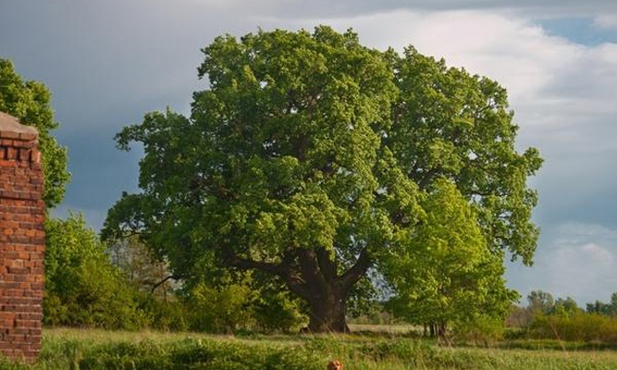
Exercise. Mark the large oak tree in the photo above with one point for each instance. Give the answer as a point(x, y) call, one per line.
point(308, 157)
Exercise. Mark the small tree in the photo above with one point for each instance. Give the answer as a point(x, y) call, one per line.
point(143, 270)
point(613, 305)
point(540, 302)
point(598, 307)
point(609, 309)
point(565, 307)
point(442, 271)
point(30, 101)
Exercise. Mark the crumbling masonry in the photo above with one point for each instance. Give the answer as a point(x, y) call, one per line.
point(22, 241)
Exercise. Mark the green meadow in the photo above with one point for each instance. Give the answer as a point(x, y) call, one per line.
point(100, 349)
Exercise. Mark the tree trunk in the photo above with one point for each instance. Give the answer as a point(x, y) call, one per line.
point(312, 275)
point(328, 312)
point(442, 330)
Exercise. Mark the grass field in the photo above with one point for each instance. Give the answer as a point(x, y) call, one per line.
point(98, 349)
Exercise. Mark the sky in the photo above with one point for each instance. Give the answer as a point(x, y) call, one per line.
point(108, 62)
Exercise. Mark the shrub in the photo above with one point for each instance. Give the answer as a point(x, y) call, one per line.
point(82, 287)
point(576, 327)
point(221, 309)
point(170, 315)
point(481, 330)
point(278, 312)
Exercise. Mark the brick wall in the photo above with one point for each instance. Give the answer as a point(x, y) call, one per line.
point(22, 241)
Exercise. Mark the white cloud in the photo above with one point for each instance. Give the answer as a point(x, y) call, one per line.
point(503, 46)
point(562, 92)
point(578, 260)
point(583, 271)
point(598, 254)
point(608, 21)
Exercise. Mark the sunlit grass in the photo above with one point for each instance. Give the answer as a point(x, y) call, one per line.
point(100, 349)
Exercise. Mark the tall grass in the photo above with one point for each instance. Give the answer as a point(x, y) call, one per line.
point(96, 349)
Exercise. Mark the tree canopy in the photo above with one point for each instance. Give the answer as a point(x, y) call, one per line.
point(445, 273)
point(309, 158)
point(30, 102)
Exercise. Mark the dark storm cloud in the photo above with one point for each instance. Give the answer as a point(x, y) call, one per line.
point(351, 8)
point(106, 63)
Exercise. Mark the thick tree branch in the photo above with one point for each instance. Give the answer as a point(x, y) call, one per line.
point(284, 270)
point(310, 269)
point(161, 283)
point(355, 273)
point(297, 285)
point(248, 264)
point(231, 259)
point(326, 264)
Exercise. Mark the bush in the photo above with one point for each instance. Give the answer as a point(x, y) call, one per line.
point(481, 330)
point(241, 302)
point(170, 315)
point(82, 287)
point(278, 312)
point(223, 309)
point(576, 327)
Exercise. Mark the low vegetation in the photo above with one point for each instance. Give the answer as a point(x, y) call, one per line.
point(97, 349)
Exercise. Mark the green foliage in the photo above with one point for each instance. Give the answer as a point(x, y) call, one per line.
point(170, 314)
point(308, 159)
point(540, 302)
point(30, 102)
point(82, 287)
point(275, 310)
point(578, 326)
point(482, 330)
point(444, 272)
point(222, 309)
point(566, 307)
point(561, 319)
point(450, 124)
point(202, 354)
point(242, 301)
point(609, 309)
point(543, 303)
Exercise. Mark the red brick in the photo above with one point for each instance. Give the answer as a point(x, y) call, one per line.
point(22, 243)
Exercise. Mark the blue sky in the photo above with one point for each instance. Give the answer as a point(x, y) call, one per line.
point(580, 30)
point(107, 62)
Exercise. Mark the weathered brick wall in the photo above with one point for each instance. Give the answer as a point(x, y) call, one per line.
point(22, 241)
